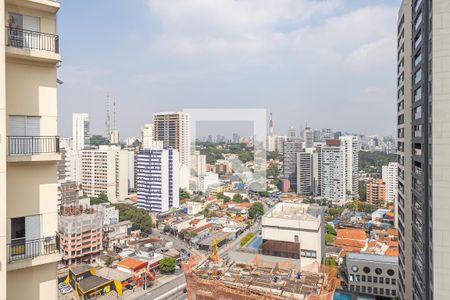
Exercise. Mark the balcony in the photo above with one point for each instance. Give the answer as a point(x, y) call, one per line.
point(33, 148)
point(22, 254)
point(34, 45)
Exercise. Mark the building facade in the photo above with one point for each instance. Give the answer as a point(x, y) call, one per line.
point(423, 151)
point(332, 176)
point(376, 193)
point(291, 148)
point(308, 137)
point(105, 171)
point(390, 177)
point(308, 172)
point(29, 150)
point(371, 274)
point(157, 179)
point(80, 131)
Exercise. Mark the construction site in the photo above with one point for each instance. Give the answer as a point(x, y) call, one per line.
point(213, 279)
point(80, 229)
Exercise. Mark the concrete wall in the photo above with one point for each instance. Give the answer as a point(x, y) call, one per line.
point(3, 143)
point(441, 148)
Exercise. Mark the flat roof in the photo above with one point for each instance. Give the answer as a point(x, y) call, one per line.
point(373, 257)
point(91, 282)
point(113, 274)
point(297, 211)
point(79, 269)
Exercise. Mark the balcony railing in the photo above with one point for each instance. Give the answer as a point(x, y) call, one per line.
point(21, 38)
point(20, 249)
point(29, 145)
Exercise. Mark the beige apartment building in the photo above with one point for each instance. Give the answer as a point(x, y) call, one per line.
point(29, 149)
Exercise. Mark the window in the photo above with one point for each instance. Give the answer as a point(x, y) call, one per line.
point(296, 238)
point(390, 272)
point(375, 279)
point(375, 290)
point(369, 278)
point(418, 76)
point(382, 280)
point(388, 281)
point(418, 112)
point(355, 269)
point(24, 125)
point(418, 21)
point(378, 271)
point(418, 59)
point(363, 278)
point(418, 94)
point(366, 270)
point(18, 24)
point(393, 281)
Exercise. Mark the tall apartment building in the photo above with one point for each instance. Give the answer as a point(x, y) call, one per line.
point(308, 137)
point(308, 172)
point(423, 148)
point(80, 131)
point(29, 150)
point(105, 170)
point(350, 147)
point(291, 148)
point(173, 128)
point(376, 193)
point(339, 167)
point(157, 179)
point(332, 176)
point(292, 133)
point(199, 163)
point(390, 177)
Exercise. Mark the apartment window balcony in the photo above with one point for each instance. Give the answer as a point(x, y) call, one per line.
point(36, 45)
point(33, 148)
point(20, 249)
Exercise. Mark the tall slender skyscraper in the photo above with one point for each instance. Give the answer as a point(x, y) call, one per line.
point(423, 107)
point(308, 137)
point(80, 131)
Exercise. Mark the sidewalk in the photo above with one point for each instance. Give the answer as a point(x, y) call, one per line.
point(138, 293)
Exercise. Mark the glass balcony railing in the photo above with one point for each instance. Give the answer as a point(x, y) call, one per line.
point(27, 39)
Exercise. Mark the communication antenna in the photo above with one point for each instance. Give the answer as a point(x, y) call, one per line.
point(108, 119)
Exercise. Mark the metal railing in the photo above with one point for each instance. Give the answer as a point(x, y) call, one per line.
point(28, 145)
point(21, 38)
point(20, 249)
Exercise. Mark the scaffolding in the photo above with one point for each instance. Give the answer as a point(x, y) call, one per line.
point(261, 280)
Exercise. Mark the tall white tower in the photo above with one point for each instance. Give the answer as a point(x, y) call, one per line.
point(80, 131)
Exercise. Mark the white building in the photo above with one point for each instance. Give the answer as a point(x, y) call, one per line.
point(193, 208)
point(390, 177)
point(148, 137)
point(294, 230)
point(80, 131)
point(110, 214)
point(308, 137)
point(339, 167)
point(208, 180)
point(199, 163)
point(105, 170)
point(157, 179)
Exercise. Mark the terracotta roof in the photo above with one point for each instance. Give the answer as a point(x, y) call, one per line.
point(132, 263)
point(211, 197)
point(372, 244)
point(392, 231)
point(351, 249)
point(349, 242)
point(245, 204)
point(239, 219)
point(194, 222)
point(351, 233)
point(202, 228)
point(278, 246)
point(392, 251)
point(393, 243)
point(390, 214)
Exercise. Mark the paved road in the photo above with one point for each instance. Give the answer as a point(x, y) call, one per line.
point(177, 283)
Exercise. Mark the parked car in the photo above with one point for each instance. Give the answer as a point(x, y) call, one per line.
point(65, 289)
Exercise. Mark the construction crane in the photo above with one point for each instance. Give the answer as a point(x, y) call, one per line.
point(214, 256)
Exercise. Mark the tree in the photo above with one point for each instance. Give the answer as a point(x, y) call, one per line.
point(109, 261)
point(102, 198)
point(362, 190)
point(139, 218)
point(329, 238)
point(97, 140)
point(183, 194)
point(256, 210)
point(167, 264)
point(330, 229)
point(166, 228)
point(329, 261)
point(238, 198)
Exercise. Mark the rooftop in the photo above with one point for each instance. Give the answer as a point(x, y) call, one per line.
point(373, 258)
point(91, 282)
point(113, 274)
point(80, 269)
point(132, 263)
point(297, 211)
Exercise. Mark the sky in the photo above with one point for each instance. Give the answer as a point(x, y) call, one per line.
point(328, 63)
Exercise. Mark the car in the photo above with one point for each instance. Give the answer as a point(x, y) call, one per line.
point(61, 284)
point(65, 289)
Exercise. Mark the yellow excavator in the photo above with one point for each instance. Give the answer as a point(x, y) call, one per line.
point(214, 256)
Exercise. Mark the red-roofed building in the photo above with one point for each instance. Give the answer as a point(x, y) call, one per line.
point(132, 266)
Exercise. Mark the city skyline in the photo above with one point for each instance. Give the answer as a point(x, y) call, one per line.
point(157, 70)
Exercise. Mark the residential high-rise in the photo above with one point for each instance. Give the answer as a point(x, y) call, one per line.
point(105, 171)
point(308, 172)
point(390, 177)
point(350, 147)
point(199, 163)
point(80, 131)
point(339, 169)
point(308, 137)
point(332, 176)
point(423, 107)
point(29, 150)
point(376, 193)
point(292, 134)
point(291, 148)
point(173, 128)
point(157, 179)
